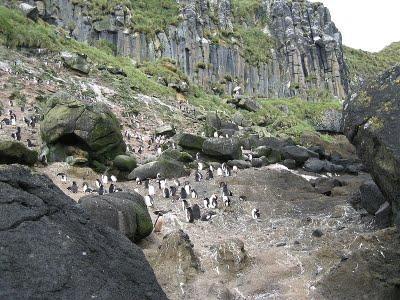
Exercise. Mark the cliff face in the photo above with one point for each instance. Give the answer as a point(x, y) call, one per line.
point(305, 53)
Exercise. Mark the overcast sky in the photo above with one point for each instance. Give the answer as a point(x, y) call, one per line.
point(366, 24)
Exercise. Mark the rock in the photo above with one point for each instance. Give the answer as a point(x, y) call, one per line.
point(173, 154)
point(371, 124)
point(166, 130)
point(76, 61)
point(299, 154)
point(240, 120)
point(91, 128)
point(257, 162)
point(29, 11)
point(222, 148)
point(76, 161)
point(230, 255)
point(190, 141)
point(13, 152)
point(320, 150)
point(124, 212)
point(241, 164)
point(383, 215)
point(175, 261)
point(317, 233)
point(371, 197)
point(269, 155)
point(125, 163)
point(167, 169)
point(219, 291)
point(331, 121)
point(215, 124)
point(315, 165)
point(249, 104)
point(289, 163)
point(46, 241)
point(326, 185)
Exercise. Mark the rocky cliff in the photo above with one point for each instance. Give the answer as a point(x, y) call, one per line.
point(300, 47)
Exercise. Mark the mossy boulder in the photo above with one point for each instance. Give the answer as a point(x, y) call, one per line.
point(190, 141)
point(172, 154)
point(371, 123)
point(13, 152)
point(91, 128)
point(222, 148)
point(167, 168)
point(125, 212)
point(125, 163)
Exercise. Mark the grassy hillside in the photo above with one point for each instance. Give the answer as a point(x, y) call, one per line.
point(363, 64)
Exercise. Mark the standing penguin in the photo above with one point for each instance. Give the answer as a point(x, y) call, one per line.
point(196, 212)
point(86, 188)
point(255, 213)
point(166, 193)
point(209, 175)
point(185, 204)
point(158, 224)
point(226, 200)
point(151, 190)
point(104, 179)
point(189, 215)
point(172, 190)
point(213, 201)
point(149, 200)
point(101, 190)
point(206, 203)
point(187, 188)
point(194, 194)
point(73, 188)
point(219, 172)
point(184, 195)
point(198, 176)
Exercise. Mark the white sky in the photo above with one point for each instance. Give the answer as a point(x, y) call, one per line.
point(366, 24)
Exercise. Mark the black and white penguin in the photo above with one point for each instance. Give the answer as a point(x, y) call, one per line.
point(185, 204)
point(209, 175)
point(206, 203)
point(255, 213)
point(220, 172)
point(104, 179)
point(138, 181)
point(98, 183)
point(213, 201)
point(151, 190)
point(224, 189)
point(227, 172)
point(166, 192)
point(113, 178)
point(101, 190)
point(149, 200)
point(242, 198)
point(196, 212)
point(30, 144)
point(172, 190)
point(11, 103)
point(189, 215)
point(86, 188)
point(200, 166)
point(177, 182)
point(198, 176)
point(184, 195)
point(194, 194)
point(234, 169)
point(226, 200)
point(73, 188)
point(158, 224)
point(207, 216)
point(113, 189)
point(63, 177)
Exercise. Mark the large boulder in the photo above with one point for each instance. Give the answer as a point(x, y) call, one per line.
point(371, 197)
point(125, 163)
point(222, 148)
point(167, 169)
point(91, 128)
point(215, 124)
point(125, 212)
point(190, 141)
point(371, 123)
point(299, 154)
point(230, 255)
point(29, 11)
point(12, 152)
point(51, 249)
point(76, 61)
point(330, 121)
point(166, 130)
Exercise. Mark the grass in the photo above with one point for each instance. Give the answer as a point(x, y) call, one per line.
point(367, 64)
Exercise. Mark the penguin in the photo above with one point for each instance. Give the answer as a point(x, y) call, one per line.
point(200, 166)
point(235, 169)
point(189, 215)
point(206, 203)
point(198, 156)
point(207, 216)
point(159, 150)
point(13, 120)
point(198, 176)
point(151, 190)
point(63, 177)
point(73, 188)
point(162, 184)
point(149, 200)
point(158, 224)
point(226, 200)
point(219, 172)
point(166, 193)
point(255, 213)
point(184, 195)
point(223, 166)
point(187, 188)
point(104, 179)
point(172, 190)
point(242, 198)
point(215, 134)
point(196, 212)
point(113, 189)
point(227, 172)
point(101, 190)
point(11, 103)
point(98, 183)
point(86, 188)
point(30, 144)
point(209, 175)
point(185, 204)
point(177, 182)
point(213, 201)
point(113, 178)
point(211, 168)
point(146, 184)
point(194, 194)
point(224, 189)
point(138, 181)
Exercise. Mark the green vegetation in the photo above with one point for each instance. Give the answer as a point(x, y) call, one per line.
point(245, 11)
point(366, 64)
point(291, 117)
point(105, 46)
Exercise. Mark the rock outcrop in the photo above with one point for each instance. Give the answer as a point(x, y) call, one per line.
point(306, 47)
point(125, 212)
point(12, 152)
point(371, 124)
point(71, 127)
point(52, 249)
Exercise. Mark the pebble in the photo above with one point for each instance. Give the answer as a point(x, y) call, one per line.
point(317, 233)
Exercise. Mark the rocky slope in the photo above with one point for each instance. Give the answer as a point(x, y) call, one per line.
point(299, 48)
